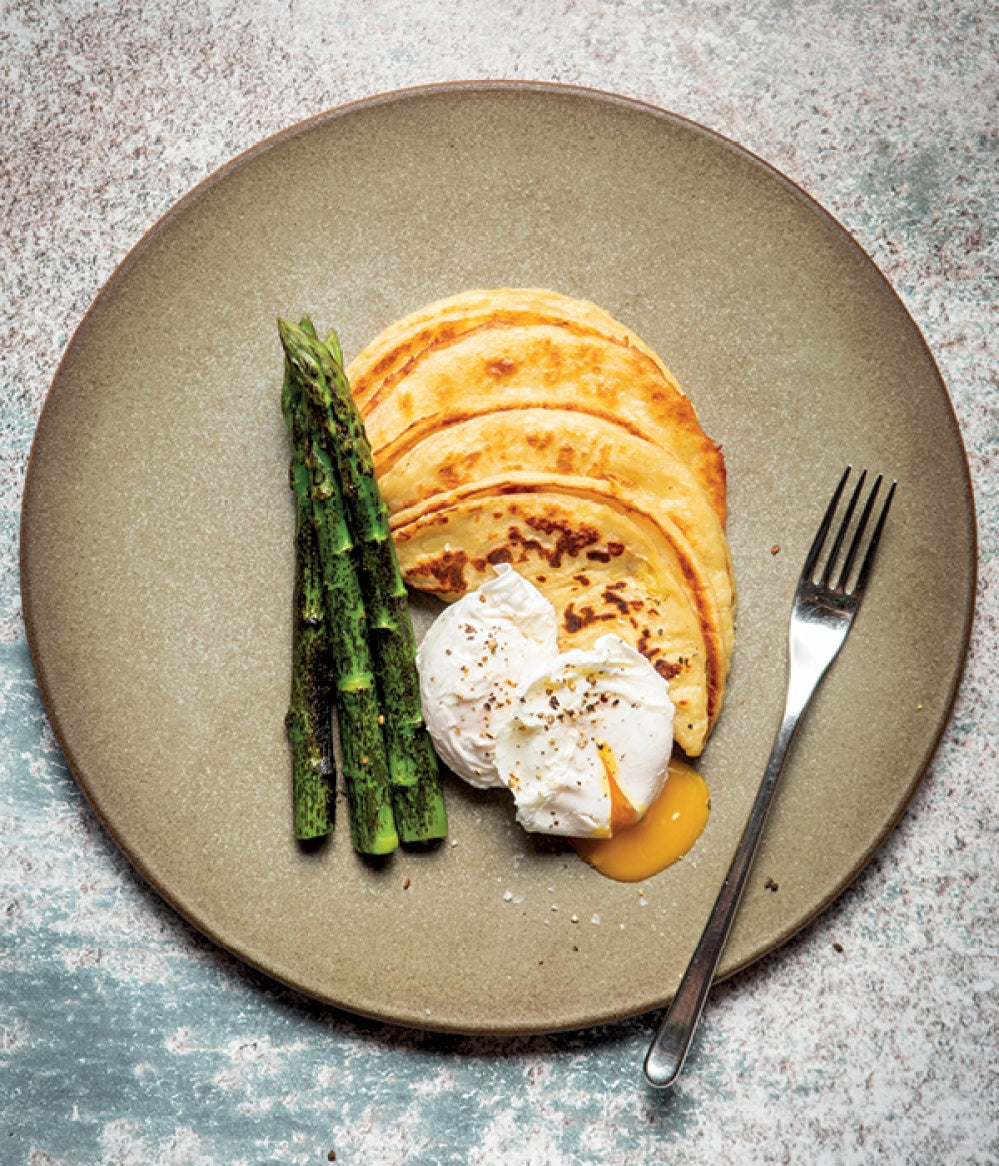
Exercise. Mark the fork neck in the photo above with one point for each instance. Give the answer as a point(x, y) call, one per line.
point(812, 647)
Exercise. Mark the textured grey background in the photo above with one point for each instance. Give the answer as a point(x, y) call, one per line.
point(127, 1038)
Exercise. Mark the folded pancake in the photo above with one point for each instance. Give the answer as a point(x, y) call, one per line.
point(602, 569)
point(496, 366)
point(385, 357)
point(581, 455)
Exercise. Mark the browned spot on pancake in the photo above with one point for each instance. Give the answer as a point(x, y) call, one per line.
point(448, 474)
point(539, 441)
point(612, 552)
point(565, 459)
point(457, 470)
point(569, 540)
point(502, 366)
point(611, 596)
point(549, 359)
point(668, 670)
point(447, 569)
point(573, 620)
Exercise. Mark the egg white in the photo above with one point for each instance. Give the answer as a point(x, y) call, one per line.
point(472, 662)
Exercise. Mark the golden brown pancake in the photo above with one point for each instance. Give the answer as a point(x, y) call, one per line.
point(385, 356)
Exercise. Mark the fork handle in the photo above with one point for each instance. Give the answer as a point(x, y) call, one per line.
point(669, 1047)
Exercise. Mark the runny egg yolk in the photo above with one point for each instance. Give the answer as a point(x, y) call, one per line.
point(669, 828)
point(623, 814)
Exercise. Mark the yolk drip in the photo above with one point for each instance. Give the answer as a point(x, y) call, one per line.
point(670, 827)
point(623, 813)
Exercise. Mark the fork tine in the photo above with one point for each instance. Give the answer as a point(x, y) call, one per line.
point(865, 566)
point(861, 526)
point(841, 533)
point(816, 548)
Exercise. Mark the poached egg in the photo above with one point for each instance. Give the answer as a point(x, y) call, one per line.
point(582, 739)
point(586, 747)
point(472, 663)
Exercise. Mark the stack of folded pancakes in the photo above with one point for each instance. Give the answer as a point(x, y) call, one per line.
point(525, 427)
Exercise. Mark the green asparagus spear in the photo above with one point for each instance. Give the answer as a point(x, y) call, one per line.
point(362, 746)
point(418, 797)
point(308, 722)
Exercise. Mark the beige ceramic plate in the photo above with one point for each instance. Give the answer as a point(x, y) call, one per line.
point(157, 538)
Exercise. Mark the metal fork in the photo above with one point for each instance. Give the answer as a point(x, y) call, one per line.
point(821, 616)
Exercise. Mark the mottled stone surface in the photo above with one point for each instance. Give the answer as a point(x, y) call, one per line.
point(127, 1038)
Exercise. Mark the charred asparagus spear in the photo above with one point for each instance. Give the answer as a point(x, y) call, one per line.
point(308, 722)
point(362, 745)
point(418, 798)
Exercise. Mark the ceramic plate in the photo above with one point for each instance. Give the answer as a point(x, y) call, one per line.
point(157, 556)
